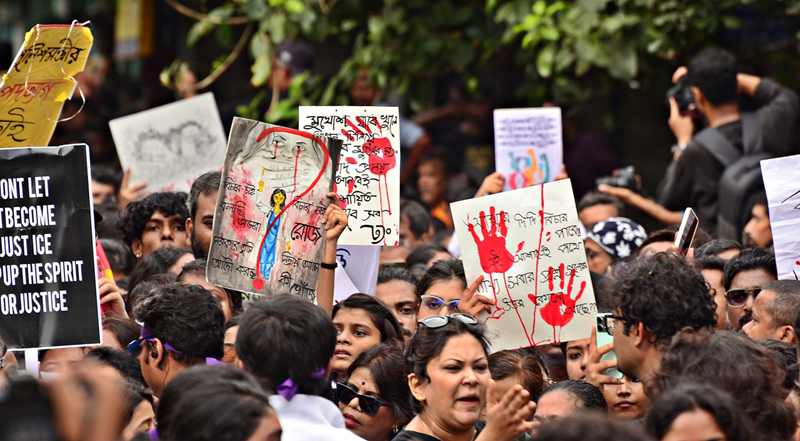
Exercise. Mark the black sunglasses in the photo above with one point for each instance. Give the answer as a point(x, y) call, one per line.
point(369, 405)
point(738, 297)
point(438, 321)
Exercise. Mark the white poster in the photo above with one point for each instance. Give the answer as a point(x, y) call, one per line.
point(170, 146)
point(357, 270)
point(783, 197)
point(368, 178)
point(268, 235)
point(528, 147)
point(527, 245)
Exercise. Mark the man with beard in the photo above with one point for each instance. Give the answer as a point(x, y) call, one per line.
point(202, 205)
point(745, 276)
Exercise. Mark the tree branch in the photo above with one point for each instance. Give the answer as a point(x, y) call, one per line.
point(326, 8)
point(228, 61)
point(191, 13)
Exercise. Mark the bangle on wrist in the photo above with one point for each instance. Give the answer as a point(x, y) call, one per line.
point(330, 266)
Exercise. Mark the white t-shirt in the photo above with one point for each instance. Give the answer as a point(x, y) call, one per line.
point(310, 418)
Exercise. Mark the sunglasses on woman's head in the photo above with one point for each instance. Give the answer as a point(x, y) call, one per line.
point(434, 304)
point(438, 321)
point(738, 297)
point(369, 405)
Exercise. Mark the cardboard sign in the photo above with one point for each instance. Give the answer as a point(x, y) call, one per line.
point(527, 245)
point(368, 177)
point(783, 197)
point(357, 270)
point(268, 230)
point(170, 146)
point(528, 148)
point(48, 265)
point(39, 81)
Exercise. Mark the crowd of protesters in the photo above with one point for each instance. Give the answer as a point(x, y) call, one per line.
point(705, 344)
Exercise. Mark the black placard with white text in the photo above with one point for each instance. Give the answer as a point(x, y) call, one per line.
point(48, 265)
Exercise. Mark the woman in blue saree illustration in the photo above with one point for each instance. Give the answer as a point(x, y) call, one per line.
point(268, 250)
point(290, 164)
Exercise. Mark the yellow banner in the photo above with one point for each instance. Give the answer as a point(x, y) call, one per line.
point(39, 81)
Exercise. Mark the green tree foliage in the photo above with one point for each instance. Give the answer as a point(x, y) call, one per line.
point(406, 43)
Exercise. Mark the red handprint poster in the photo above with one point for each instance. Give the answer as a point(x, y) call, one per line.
point(527, 245)
point(368, 174)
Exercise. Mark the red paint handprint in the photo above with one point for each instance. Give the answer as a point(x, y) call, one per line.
point(494, 256)
point(381, 155)
point(552, 313)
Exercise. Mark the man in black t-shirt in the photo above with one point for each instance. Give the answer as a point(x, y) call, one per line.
point(692, 178)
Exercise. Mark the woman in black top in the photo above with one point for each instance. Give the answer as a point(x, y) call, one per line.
point(450, 382)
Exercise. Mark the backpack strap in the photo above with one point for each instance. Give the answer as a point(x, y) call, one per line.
point(751, 133)
point(719, 147)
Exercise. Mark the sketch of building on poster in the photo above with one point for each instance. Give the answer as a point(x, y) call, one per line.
point(168, 147)
point(268, 234)
point(527, 245)
point(368, 177)
point(528, 145)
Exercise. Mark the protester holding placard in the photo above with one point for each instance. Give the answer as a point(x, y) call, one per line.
point(157, 221)
point(447, 349)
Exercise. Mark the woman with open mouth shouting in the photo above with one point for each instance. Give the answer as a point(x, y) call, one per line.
point(450, 384)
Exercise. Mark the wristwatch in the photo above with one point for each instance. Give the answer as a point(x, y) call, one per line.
point(677, 148)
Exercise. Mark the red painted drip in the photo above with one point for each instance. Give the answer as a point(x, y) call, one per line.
point(326, 157)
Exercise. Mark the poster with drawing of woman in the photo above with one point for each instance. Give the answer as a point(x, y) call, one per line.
point(268, 221)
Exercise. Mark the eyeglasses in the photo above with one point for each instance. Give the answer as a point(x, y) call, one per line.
point(438, 321)
point(433, 304)
point(369, 405)
point(136, 345)
point(738, 297)
point(609, 322)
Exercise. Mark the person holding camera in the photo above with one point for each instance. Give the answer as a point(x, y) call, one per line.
point(711, 86)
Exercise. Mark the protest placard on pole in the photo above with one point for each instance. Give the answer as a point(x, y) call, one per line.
point(368, 177)
point(268, 235)
point(527, 245)
point(528, 147)
point(48, 265)
point(783, 198)
point(168, 147)
point(39, 81)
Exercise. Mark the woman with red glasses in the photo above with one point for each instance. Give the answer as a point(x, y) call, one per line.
point(375, 405)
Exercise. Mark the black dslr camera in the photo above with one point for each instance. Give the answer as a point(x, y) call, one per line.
point(623, 177)
point(682, 94)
